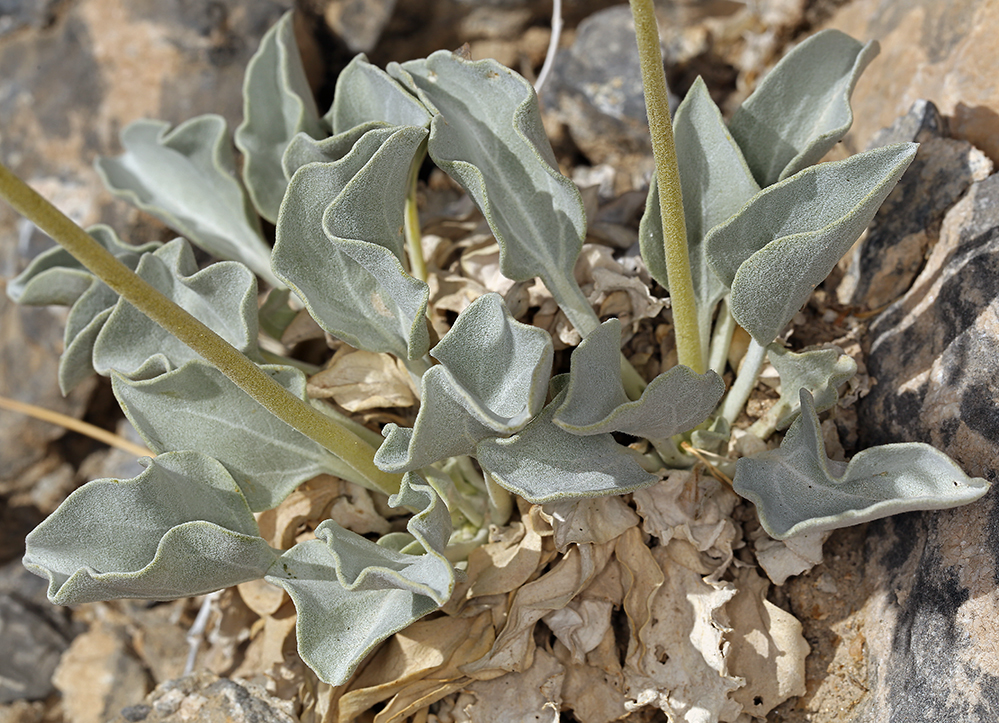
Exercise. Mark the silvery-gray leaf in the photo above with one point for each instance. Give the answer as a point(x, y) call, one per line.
point(181, 528)
point(488, 136)
point(304, 149)
point(186, 179)
point(277, 104)
point(56, 277)
point(715, 182)
point(788, 238)
point(366, 93)
point(198, 407)
point(83, 325)
point(351, 593)
point(802, 108)
point(797, 488)
point(492, 379)
point(676, 401)
point(223, 296)
point(276, 314)
point(340, 241)
point(820, 371)
point(544, 463)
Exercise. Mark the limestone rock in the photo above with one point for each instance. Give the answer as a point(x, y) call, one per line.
point(935, 352)
point(32, 648)
point(945, 51)
point(930, 624)
point(206, 698)
point(885, 263)
point(99, 675)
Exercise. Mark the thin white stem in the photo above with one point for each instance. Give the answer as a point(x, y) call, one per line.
point(546, 69)
point(197, 631)
point(721, 340)
point(738, 395)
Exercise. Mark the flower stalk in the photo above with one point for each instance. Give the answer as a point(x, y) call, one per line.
point(681, 286)
point(295, 412)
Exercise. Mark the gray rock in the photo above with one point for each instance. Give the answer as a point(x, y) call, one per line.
point(208, 699)
point(596, 89)
point(33, 635)
point(931, 623)
point(31, 651)
point(18, 14)
point(885, 263)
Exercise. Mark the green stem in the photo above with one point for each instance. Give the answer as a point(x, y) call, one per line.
point(297, 413)
point(411, 226)
point(681, 285)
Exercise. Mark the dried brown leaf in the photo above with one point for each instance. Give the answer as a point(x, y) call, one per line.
point(597, 520)
point(767, 648)
point(359, 380)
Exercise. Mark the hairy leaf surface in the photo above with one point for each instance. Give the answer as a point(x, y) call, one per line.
point(676, 401)
point(820, 371)
point(802, 108)
point(797, 488)
point(277, 104)
point(186, 179)
point(198, 407)
point(544, 463)
point(788, 238)
point(491, 381)
point(340, 244)
point(351, 593)
point(366, 93)
point(223, 296)
point(487, 135)
point(181, 528)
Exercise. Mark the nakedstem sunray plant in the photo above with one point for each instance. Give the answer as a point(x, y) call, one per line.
point(757, 229)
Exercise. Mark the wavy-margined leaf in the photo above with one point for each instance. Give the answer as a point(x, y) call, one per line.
point(491, 381)
point(788, 238)
point(56, 277)
point(544, 463)
point(277, 104)
point(198, 407)
point(181, 528)
point(676, 401)
point(820, 371)
point(488, 136)
point(303, 150)
point(340, 244)
point(797, 488)
point(802, 108)
point(351, 593)
point(186, 179)
point(366, 93)
point(223, 296)
point(715, 182)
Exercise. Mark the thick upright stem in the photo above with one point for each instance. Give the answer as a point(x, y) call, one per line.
point(244, 373)
point(681, 286)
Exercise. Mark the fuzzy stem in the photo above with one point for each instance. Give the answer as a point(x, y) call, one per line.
point(681, 285)
point(244, 373)
point(738, 395)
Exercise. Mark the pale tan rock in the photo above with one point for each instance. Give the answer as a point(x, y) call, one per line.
point(946, 52)
point(98, 676)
